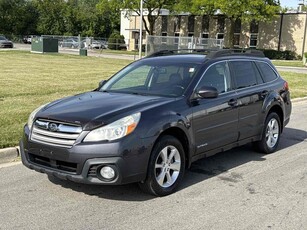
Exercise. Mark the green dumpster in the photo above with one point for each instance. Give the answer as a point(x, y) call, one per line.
point(83, 52)
point(44, 45)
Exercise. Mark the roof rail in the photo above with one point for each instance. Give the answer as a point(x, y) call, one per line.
point(211, 53)
point(228, 52)
point(180, 51)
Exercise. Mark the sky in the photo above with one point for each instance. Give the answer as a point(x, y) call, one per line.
point(291, 3)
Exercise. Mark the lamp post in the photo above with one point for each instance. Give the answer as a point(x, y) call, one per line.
point(141, 29)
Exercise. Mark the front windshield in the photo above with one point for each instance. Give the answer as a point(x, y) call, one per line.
point(2, 38)
point(148, 78)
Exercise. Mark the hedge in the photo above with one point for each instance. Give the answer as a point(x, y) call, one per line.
point(281, 55)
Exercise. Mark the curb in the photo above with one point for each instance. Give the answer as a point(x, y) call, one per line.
point(8, 155)
point(299, 99)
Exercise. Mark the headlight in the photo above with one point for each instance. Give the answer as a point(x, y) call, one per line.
point(32, 115)
point(115, 130)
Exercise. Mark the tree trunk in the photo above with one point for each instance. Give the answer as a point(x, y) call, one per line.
point(231, 32)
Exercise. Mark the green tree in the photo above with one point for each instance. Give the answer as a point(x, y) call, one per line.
point(51, 16)
point(116, 41)
point(17, 17)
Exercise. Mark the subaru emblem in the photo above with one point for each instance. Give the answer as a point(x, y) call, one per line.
point(52, 127)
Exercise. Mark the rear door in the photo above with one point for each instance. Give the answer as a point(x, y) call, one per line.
point(251, 93)
point(215, 120)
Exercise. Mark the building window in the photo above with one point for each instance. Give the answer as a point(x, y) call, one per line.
point(237, 32)
point(190, 34)
point(164, 37)
point(191, 22)
point(205, 24)
point(204, 40)
point(237, 26)
point(164, 24)
point(254, 27)
point(221, 25)
point(253, 41)
point(176, 38)
point(177, 23)
point(219, 36)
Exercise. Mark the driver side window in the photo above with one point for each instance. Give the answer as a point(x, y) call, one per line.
point(217, 76)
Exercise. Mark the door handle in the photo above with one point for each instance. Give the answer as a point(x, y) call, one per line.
point(232, 102)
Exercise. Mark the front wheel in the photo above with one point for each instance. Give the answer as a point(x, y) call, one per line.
point(166, 167)
point(271, 134)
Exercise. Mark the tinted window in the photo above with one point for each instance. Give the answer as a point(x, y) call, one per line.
point(217, 76)
point(267, 72)
point(245, 73)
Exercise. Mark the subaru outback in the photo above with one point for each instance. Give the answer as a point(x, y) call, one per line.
point(156, 116)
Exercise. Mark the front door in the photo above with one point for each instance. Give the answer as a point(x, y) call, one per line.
point(215, 121)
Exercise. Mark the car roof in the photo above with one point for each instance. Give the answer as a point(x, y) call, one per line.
point(189, 58)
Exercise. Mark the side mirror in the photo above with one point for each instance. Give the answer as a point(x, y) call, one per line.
point(207, 92)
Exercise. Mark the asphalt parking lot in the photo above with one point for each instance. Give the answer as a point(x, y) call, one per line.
point(237, 189)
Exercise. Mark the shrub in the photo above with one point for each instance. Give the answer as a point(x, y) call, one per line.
point(116, 41)
point(281, 55)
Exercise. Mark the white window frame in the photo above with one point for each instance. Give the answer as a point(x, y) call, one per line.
point(176, 40)
point(250, 39)
point(164, 37)
point(204, 42)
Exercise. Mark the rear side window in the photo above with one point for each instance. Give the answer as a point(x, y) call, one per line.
point(245, 74)
point(267, 72)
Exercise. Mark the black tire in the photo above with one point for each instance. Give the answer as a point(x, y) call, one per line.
point(169, 177)
point(270, 134)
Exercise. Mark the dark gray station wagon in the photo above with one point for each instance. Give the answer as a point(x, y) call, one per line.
point(152, 119)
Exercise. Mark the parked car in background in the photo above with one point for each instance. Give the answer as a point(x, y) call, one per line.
point(97, 45)
point(70, 43)
point(5, 43)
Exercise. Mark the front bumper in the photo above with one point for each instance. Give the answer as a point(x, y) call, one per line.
point(6, 45)
point(81, 163)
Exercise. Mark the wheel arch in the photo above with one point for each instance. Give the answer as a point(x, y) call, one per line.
point(278, 110)
point(179, 134)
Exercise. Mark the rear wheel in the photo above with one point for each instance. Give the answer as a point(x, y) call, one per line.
point(166, 167)
point(270, 135)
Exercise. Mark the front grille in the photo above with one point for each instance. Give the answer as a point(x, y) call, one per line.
point(55, 133)
point(60, 165)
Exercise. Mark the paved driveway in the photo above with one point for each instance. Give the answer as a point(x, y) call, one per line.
point(237, 189)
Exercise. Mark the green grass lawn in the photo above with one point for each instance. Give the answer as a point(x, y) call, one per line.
point(297, 83)
point(291, 63)
point(29, 80)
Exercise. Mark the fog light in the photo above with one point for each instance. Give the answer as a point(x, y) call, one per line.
point(107, 172)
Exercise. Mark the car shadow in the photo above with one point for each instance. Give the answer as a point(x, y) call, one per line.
point(199, 171)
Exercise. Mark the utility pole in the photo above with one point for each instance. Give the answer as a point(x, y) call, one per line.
point(141, 29)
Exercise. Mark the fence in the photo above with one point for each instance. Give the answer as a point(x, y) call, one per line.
point(76, 42)
point(157, 43)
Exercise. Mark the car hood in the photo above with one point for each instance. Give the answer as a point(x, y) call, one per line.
point(93, 109)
